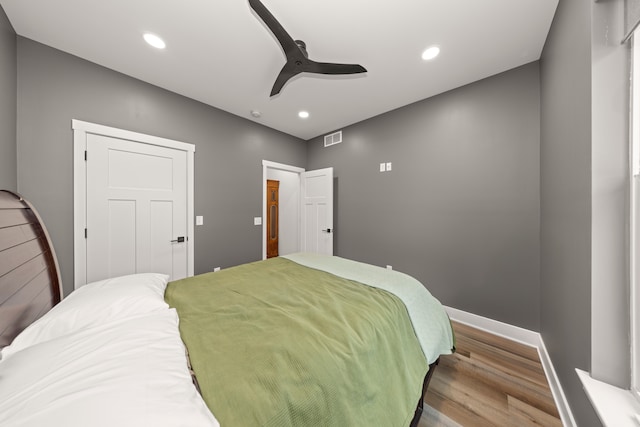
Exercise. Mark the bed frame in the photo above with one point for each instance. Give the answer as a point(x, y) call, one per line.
point(425, 386)
point(30, 282)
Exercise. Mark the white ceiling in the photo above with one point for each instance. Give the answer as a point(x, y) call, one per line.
point(220, 53)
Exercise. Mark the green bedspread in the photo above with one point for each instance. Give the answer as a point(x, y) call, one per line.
point(274, 343)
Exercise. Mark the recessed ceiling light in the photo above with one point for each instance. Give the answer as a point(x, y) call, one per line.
point(430, 53)
point(154, 41)
point(303, 114)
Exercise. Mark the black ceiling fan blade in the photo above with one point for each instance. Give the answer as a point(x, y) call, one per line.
point(330, 68)
point(288, 71)
point(286, 41)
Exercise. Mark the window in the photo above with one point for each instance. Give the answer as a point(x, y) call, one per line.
point(635, 217)
point(616, 404)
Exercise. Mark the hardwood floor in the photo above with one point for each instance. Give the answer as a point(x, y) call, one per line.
point(491, 381)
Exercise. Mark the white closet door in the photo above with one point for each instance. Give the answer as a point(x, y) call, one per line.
point(136, 208)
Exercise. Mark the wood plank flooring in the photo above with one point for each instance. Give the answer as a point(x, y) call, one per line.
point(491, 381)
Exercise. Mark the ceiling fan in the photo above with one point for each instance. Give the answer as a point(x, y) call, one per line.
point(296, 52)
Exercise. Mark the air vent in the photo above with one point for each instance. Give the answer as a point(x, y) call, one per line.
point(333, 138)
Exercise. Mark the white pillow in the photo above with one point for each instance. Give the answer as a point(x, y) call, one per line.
point(125, 373)
point(94, 304)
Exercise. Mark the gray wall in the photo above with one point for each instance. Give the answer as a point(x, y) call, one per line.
point(54, 88)
point(460, 208)
point(8, 76)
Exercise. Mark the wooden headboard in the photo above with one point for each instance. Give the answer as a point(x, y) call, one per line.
point(30, 282)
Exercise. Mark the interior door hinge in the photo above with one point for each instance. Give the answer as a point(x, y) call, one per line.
point(85, 155)
point(85, 233)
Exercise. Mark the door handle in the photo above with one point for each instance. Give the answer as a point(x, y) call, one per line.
point(328, 230)
point(178, 240)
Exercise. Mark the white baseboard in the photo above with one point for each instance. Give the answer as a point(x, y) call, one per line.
point(515, 333)
point(526, 337)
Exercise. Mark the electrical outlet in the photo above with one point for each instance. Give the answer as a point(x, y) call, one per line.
point(216, 269)
point(389, 267)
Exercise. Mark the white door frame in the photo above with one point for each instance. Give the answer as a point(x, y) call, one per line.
point(80, 131)
point(266, 164)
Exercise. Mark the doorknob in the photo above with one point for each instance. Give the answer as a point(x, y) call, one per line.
point(178, 240)
point(328, 230)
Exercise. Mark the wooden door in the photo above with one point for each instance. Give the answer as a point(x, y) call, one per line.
point(272, 217)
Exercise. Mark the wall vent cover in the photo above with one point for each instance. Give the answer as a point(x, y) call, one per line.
point(333, 138)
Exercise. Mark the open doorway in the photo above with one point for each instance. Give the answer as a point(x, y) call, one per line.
point(306, 208)
point(289, 206)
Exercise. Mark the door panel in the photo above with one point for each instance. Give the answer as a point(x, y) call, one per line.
point(136, 205)
point(120, 233)
point(317, 211)
point(161, 231)
point(126, 169)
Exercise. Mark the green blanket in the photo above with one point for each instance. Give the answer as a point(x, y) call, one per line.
point(277, 344)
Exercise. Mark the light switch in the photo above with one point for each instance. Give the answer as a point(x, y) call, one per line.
point(199, 220)
point(383, 167)
point(257, 220)
point(388, 166)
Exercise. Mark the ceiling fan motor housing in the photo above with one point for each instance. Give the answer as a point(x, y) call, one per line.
point(303, 47)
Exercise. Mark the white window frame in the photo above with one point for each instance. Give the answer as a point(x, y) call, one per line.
point(634, 122)
point(617, 406)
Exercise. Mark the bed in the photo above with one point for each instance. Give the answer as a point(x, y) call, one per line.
point(290, 341)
